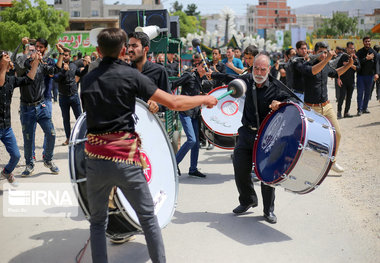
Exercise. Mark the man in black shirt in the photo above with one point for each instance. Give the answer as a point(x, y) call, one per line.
point(138, 48)
point(34, 110)
point(191, 83)
point(7, 85)
point(172, 66)
point(289, 53)
point(216, 65)
point(67, 88)
point(348, 80)
point(294, 77)
point(109, 94)
point(367, 74)
point(269, 97)
point(316, 73)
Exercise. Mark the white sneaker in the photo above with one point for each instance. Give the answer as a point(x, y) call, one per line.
point(337, 168)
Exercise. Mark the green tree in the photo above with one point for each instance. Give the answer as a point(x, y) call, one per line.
point(176, 6)
point(191, 10)
point(339, 25)
point(287, 39)
point(187, 24)
point(26, 20)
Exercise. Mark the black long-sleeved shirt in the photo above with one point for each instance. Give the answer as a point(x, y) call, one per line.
point(367, 67)
point(348, 78)
point(268, 92)
point(191, 84)
point(109, 94)
point(34, 91)
point(297, 82)
point(6, 92)
point(67, 85)
point(316, 85)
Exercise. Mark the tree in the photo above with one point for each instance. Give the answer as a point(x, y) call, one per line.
point(191, 10)
point(287, 39)
point(187, 24)
point(339, 25)
point(26, 20)
point(176, 6)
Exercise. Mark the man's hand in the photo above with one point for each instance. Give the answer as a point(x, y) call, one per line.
point(375, 77)
point(25, 40)
point(59, 47)
point(153, 107)
point(370, 56)
point(209, 101)
point(274, 105)
point(230, 65)
point(66, 66)
point(339, 81)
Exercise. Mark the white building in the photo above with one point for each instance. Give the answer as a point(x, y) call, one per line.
point(310, 22)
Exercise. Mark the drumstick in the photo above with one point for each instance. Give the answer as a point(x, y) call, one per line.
point(196, 43)
point(225, 94)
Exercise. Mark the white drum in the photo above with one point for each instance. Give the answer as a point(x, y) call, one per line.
point(223, 121)
point(161, 173)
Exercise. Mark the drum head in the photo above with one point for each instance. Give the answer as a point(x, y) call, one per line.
point(276, 148)
point(161, 173)
point(225, 117)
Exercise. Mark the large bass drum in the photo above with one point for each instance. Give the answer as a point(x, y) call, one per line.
point(223, 121)
point(161, 173)
point(294, 148)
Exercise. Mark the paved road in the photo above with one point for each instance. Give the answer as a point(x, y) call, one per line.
point(317, 227)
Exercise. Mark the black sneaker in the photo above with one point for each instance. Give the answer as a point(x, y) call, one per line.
point(178, 171)
point(28, 170)
point(366, 111)
point(339, 115)
point(359, 113)
point(53, 168)
point(197, 173)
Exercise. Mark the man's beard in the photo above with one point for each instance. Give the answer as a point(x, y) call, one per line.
point(260, 79)
point(137, 59)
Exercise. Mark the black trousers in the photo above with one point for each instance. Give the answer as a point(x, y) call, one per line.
point(243, 172)
point(345, 94)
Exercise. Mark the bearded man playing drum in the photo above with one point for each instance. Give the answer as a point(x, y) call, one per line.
point(109, 94)
point(269, 97)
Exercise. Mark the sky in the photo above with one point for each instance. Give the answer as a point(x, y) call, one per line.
point(214, 6)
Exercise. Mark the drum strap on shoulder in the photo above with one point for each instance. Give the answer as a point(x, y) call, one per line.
point(254, 97)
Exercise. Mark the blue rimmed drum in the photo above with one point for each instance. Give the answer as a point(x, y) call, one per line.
point(294, 148)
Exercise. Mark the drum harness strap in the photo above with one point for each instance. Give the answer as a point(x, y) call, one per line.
point(254, 97)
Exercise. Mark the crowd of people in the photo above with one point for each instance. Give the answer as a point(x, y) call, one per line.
point(106, 83)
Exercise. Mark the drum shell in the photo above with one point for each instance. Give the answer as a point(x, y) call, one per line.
point(312, 160)
point(122, 219)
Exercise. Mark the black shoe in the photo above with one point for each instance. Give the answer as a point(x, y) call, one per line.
point(178, 171)
point(359, 113)
point(339, 115)
point(243, 208)
point(271, 218)
point(197, 174)
point(366, 111)
point(202, 145)
point(347, 115)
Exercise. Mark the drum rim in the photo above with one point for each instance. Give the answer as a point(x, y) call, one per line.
point(117, 199)
point(298, 153)
point(73, 177)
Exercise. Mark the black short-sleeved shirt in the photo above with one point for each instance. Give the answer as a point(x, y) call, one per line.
point(157, 73)
point(316, 85)
point(67, 85)
point(6, 92)
point(172, 69)
point(109, 94)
